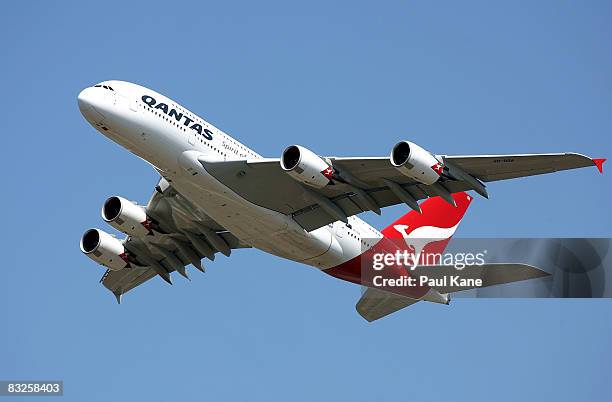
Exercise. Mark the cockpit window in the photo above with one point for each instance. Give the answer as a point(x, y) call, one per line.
point(104, 86)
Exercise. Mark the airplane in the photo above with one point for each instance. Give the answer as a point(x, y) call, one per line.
point(215, 195)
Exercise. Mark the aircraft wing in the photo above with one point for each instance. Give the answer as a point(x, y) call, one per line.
point(371, 183)
point(185, 236)
point(501, 167)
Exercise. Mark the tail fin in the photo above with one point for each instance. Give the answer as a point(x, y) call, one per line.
point(435, 224)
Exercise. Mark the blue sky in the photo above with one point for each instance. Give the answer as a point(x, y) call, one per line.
point(347, 78)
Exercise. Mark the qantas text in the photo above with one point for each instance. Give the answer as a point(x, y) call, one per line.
point(187, 122)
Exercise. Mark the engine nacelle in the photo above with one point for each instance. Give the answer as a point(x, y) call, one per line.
point(415, 162)
point(305, 166)
point(126, 216)
point(104, 249)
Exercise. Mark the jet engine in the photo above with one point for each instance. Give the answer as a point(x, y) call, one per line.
point(126, 216)
point(305, 166)
point(415, 162)
point(104, 249)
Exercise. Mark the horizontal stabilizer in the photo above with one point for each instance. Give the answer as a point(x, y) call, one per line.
point(375, 304)
point(490, 274)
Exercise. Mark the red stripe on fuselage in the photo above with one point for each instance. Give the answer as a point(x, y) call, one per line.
point(351, 270)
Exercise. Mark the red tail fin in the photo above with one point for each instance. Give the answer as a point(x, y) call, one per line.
point(437, 222)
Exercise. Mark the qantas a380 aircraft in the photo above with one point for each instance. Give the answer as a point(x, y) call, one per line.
point(215, 194)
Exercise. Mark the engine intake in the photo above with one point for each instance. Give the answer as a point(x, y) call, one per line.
point(306, 167)
point(415, 162)
point(104, 249)
point(126, 216)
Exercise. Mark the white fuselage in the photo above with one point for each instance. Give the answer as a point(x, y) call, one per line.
point(169, 137)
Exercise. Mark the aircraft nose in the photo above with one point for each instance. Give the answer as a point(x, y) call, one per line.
point(87, 100)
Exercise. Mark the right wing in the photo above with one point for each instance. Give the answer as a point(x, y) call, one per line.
point(186, 235)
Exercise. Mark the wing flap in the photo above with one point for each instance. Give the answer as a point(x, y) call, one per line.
point(120, 282)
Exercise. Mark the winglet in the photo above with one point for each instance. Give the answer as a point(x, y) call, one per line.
point(599, 163)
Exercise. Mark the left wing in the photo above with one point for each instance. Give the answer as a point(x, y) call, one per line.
point(264, 183)
point(370, 183)
point(502, 167)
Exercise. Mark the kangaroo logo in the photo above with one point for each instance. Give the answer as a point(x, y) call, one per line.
point(420, 237)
